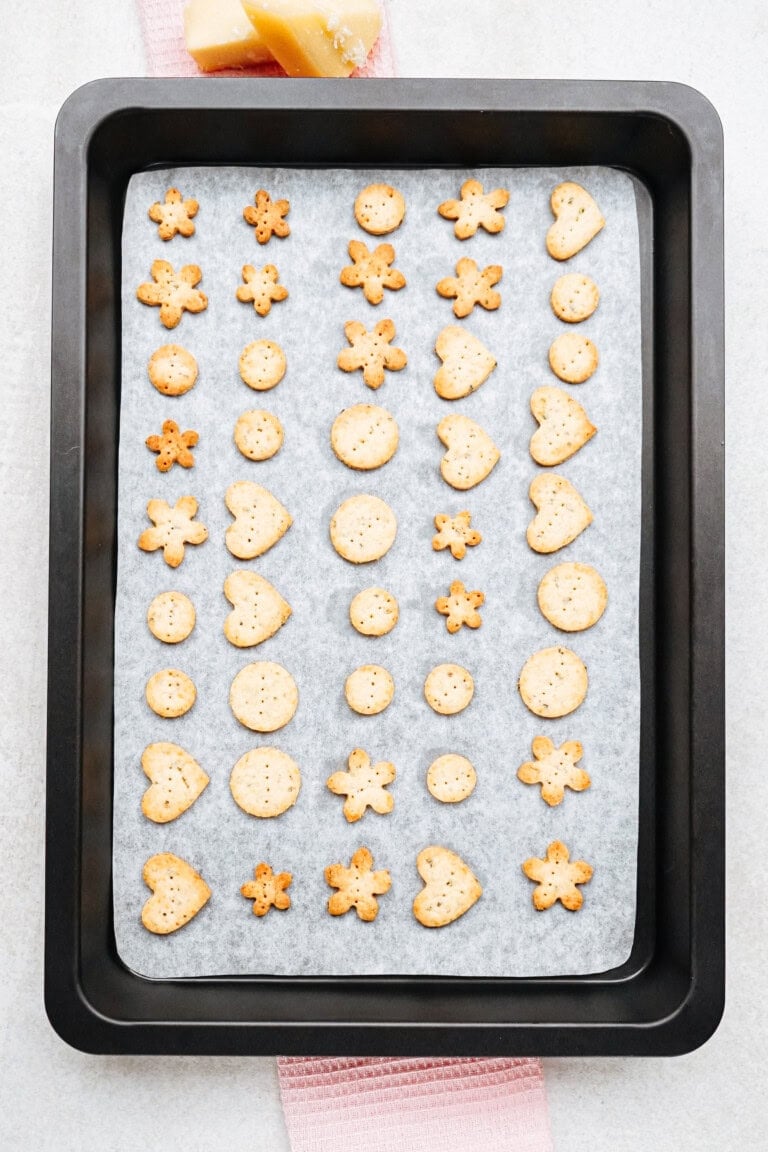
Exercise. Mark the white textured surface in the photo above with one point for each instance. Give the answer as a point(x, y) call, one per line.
point(56, 1099)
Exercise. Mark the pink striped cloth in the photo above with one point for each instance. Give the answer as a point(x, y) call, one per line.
point(162, 26)
point(472, 1105)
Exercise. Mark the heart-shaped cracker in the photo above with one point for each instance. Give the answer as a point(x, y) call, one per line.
point(450, 887)
point(258, 609)
point(561, 513)
point(467, 363)
point(578, 219)
point(177, 781)
point(563, 426)
point(471, 454)
point(178, 893)
point(260, 519)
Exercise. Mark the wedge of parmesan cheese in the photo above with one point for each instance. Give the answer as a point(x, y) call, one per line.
point(316, 37)
point(218, 34)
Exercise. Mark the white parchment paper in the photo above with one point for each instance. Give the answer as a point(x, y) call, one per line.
point(504, 821)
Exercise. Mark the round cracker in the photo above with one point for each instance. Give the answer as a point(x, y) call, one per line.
point(373, 612)
point(572, 596)
point(262, 365)
point(448, 689)
point(263, 696)
point(553, 682)
point(265, 782)
point(364, 436)
point(573, 358)
point(369, 689)
point(574, 297)
point(258, 434)
point(172, 370)
point(171, 617)
point(170, 693)
point(379, 209)
point(363, 529)
point(451, 778)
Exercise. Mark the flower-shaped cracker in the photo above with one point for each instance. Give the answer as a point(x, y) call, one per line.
point(261, 287)
point(173, 446)
point(267, 216)
point(460, 607)
point(267, 890)
point(173, 528)
point(371, 271)
point(555, 769)
point(364, 785)
point(358, 886)
point(454, 532)
point(372, 351)
point(475, 209)
point(556, 878)
point(175, 215)
point(470, 286)
point(175, 293)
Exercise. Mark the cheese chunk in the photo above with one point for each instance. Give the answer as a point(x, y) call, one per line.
point(320, 38)
point(218, 35)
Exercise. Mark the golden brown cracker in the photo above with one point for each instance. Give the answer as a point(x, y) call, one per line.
point(258, 609)
point(369, 689)
point(358, 886)
point(454, 532)
point(172, 370)
point(449, 689)
point(564, 426)
point(264, 696)
point(557, 877)
point(476, 209)
point(172, 529)
point(178, 893)
point(363, 529)
point(171, 617)
point(450, 887)
point(561, 513)
point(267, 889)
point(577, 220)
point(267, 217)
point(372, 271)
point(553, 682)
point(173, 292)
point(260, 520)
point(471, 286)
point(372, 351)
point(265, 782)
point(379, 209)
point(170, 693)
point(174, 215)
point(364, 785)
point(572, 596)
point(176, 781)
point(554, 769)
point(260, 287)
point(373, 612)
point(173, 446)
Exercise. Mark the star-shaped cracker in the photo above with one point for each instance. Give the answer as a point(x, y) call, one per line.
point(476, 209)
point(174, 292)
point(261, 287)
point(267, 216)
point(372, 351)
point(175, 215)
point(173, 446)
point(363, 785)
point(555, 769)
point(358, 886)
point(267, 890)
point(470, 286)
point(460, 607)
point(173, 528)
point(371, 271)
point(556, 878)
point(454, 532)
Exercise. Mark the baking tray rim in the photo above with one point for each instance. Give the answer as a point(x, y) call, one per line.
point(701, 1001)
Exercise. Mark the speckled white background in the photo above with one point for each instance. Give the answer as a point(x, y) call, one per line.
point(503, 822)
point(57, 1099)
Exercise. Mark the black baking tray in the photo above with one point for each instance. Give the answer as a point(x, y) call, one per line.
point(668, 997)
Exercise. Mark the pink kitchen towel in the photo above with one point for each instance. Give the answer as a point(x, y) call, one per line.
point(471, 1105)
point(162, 25)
